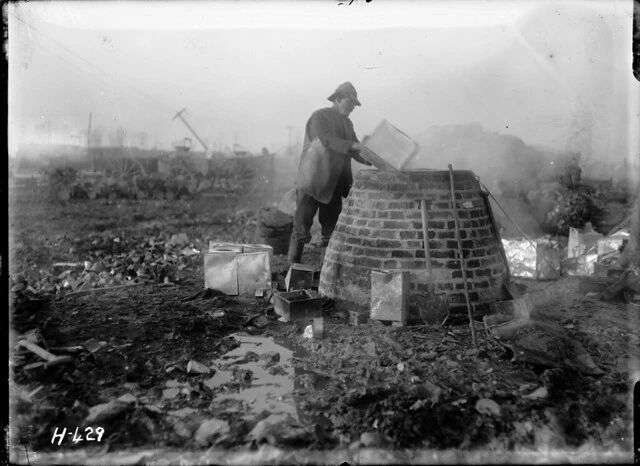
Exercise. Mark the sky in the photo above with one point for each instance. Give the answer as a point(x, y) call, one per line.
point(555, 74)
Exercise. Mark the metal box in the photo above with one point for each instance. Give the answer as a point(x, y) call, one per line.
point(299, 277)
point(234, 272)
point(388, 148)
point(254, 272)
point(298, 305)
point(229, 247)
point(249, 248)
point(389, 295)
point(221, 271)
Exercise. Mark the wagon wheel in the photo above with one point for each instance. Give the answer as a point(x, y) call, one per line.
point(184, 178)
point(125, 168)
point(238, 177)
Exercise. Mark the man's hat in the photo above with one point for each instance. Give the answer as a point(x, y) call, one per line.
point(345, 90)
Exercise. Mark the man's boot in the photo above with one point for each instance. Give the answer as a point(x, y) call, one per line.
point(295, 252)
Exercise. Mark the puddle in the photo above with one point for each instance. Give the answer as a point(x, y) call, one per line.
point(271, 383)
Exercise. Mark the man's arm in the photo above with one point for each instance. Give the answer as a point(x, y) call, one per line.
point(322, 128)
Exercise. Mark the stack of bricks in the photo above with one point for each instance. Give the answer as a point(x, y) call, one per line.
point(380, 228)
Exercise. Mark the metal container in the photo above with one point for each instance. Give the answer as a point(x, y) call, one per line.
point(249, 248)
point(221, 271)
point(301, 305)
point(299, 277)
point(230, 247)
point(389, 295)
point(254, 272)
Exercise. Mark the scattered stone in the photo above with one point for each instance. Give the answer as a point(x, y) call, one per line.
point(92, 345)
point(194, 367)
point(181, 413)
point(170, 393)
point(173, 384)
point(276, 370)
point(538, 394)
point(374, 440)
point(127, 398)
point(181, 429)
point(179, 239)
point(210, 429)
point(488, 406)
point(270, 428)
point(106, 412)
point(271, 357)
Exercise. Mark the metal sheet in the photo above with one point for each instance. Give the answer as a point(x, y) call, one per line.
point(389, 295)
point(254, 272)
point(221, 271)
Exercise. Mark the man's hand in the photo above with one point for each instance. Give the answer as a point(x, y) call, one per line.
point(356, 146)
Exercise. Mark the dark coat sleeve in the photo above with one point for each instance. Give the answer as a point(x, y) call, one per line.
point(321, 127)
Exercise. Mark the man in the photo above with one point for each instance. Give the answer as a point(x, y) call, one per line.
point(323, 191)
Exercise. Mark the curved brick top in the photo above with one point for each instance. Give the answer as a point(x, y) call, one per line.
point(380, 228)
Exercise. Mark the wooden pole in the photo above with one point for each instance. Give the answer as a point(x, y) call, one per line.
point(460, 256)
point(93, 162)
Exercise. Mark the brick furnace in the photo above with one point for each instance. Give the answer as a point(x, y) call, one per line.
point(380, 228)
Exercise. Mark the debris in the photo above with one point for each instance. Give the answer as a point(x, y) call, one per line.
point(170, 393)
point(271, 357)
point(173, 384)
point(538, 394)
point(540, 343)
point(375, 440)
point(181, 413)
point(52, 360)
point(194, 367)
point(273, 428)
point(488, 406)
point(210, 429)
point(308, 332)
point(106, 412)
point(189, 251)
point(127, 398)
point(179, 239)
point(92, 345)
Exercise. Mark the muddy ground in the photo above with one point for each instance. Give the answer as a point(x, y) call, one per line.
point(414, 394)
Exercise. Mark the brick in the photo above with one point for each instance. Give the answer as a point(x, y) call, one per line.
point(408, 234)
point(396, 215)
point(382, 243)
point(395, 225)
point(365, 232)
point(463, 214)
point(390, 264)
point(359, 223)
point(469, 244)
point(442, 254)
point(438, 225)
point(388, 234)
point(440, 214)
point(382, 214)
point(368, 242)
point(473, 263)
point(354, 240)
point(401, 253)
point(453, 265)
point(420, 253)
point(446, 235)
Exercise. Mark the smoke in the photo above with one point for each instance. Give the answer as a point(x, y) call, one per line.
point(524, 179)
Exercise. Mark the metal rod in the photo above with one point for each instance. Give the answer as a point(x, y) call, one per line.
point(179, 115)
point(496, 235)
point(425, 235)
point(462, 266)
